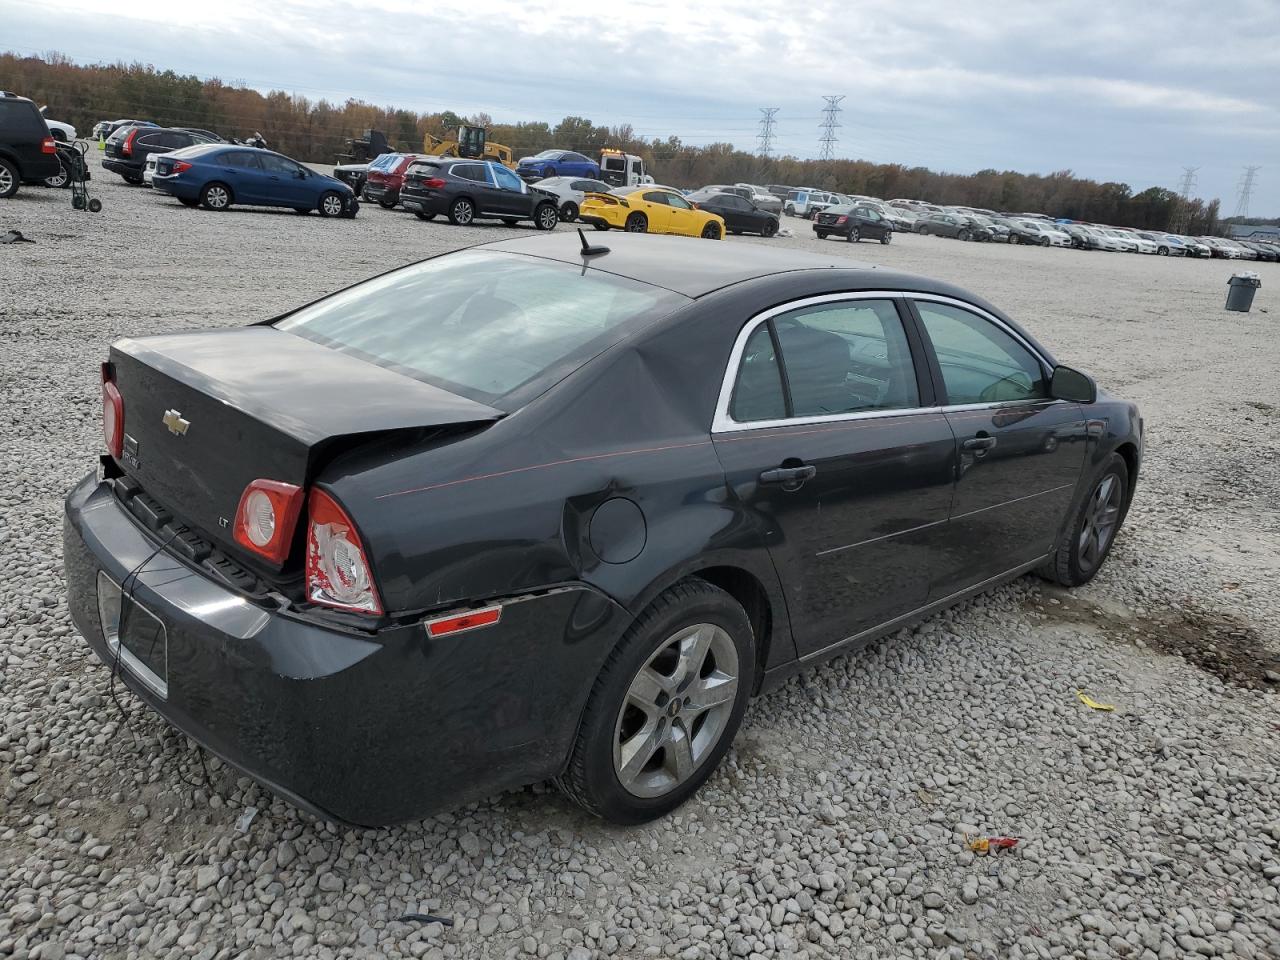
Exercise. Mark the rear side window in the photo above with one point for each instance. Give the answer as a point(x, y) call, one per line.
point(470, 171)
point(757, 394)
point(18, 117)
point(980, 362)
point(483, 324)
point(846, 357)
point(242, 159)
point(656, 196)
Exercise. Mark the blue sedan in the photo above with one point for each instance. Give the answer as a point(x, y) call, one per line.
point(216, 176)
point(557, 163)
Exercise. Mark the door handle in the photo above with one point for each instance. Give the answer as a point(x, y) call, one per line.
point(789, 477)
point(979, 443)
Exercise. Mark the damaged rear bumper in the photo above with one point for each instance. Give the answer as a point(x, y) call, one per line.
point(363, 728)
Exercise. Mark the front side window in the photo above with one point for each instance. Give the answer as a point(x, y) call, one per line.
point(278, 166)
point(484, 324)
point(506, 179)
point(679, 202)
point(981, 363)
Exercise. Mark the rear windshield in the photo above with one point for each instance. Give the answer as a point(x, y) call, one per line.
point(491, 326)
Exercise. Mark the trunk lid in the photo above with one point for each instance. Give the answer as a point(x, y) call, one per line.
point(206, 413)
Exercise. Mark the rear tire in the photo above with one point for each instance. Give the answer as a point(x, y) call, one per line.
point(636, 223)
point(61, 179)
point(386, 204)
point(9, 180)
point(216, 196)
point(424, 216)
point(1093, 528)
point(569, 211)
point(670, 700)
point(462, 212)
point(854, 235)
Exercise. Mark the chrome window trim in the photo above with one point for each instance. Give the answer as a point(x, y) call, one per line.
point(722, 422)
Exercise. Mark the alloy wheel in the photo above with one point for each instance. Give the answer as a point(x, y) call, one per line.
point(216, 197)
point(332, 205)
point(1101, 516)
point(6, 179)
point(463, 212)
point(676, 710)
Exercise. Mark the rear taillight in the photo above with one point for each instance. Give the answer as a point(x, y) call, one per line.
point(434, 183)
point(127, 147)
point(112, 413)
point(338, 573)
point(178, 166)
point(48, 145)
point(266, 518)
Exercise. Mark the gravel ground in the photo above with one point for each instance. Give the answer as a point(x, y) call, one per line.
point(836, 826)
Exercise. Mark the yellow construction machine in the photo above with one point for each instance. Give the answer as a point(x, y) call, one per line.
point(471, 143)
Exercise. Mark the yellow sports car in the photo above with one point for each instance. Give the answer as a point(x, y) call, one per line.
point(649, 209)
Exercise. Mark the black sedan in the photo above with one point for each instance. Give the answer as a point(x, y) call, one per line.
point(852, 222)
point(954, 225)
point(739, 215)
point(536, 509)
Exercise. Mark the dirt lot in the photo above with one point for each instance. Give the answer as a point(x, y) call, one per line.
point(835, 828)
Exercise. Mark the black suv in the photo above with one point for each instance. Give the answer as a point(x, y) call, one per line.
point(470, 190)
point(854, 222)
point(127, 149)
point(28, 152)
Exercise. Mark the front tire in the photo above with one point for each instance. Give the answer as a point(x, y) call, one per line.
point(546, 216)
point(770, 229)
point(964, 235)
point(711, 231)
point(665, 707)
point(1093, 527)
point(330, 204)
point(215, 196)
point(1162, 251)
point(887, 238)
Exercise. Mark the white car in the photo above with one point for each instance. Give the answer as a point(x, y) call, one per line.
point(1104, 240)
point(762, 198)
point(1143, 244)
point(569, 192)
point(60, 131)
point(1049, 230)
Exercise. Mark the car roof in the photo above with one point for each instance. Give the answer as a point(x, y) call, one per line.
point(688, 265)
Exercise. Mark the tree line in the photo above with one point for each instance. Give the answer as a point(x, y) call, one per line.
point(318, 131)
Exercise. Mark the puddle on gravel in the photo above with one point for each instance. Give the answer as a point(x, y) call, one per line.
point(1217, 643)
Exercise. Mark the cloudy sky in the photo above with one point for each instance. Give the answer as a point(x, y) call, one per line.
point(1109, 90)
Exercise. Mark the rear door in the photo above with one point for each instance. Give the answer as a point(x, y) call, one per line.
point(479, 185)
point(244, 174)
point(828, 435)
point(658, 210)
point(1019, 453)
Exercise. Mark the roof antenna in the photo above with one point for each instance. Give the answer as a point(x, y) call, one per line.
point(587, 249)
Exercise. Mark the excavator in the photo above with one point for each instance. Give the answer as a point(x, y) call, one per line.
point(471, 143)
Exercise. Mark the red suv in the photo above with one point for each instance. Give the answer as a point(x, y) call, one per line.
point(386, 177)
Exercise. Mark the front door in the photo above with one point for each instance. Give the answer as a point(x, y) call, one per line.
point(828, 435)
point(511, 195)
point(1019, 453)
point(285, 186)
point(870, 224)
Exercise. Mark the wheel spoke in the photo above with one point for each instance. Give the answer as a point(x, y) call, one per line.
point(678, 753)
point(693, 653)
point(638, 751)
point(717, 689)
point(646, 688)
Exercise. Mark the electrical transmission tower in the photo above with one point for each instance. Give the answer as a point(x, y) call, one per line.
point(1182, 213)
point(1246, 191)
point(766, 130)
point(829, 124)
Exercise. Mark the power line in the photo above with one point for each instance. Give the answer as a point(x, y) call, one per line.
point(829, 124)
point(766, 130)
point(1182, 210)
point(1246, 191)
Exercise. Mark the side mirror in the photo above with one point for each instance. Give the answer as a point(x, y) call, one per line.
point(301, 174)
point(1069, 384)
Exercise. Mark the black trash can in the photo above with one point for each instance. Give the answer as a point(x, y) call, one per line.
point(1240, 290)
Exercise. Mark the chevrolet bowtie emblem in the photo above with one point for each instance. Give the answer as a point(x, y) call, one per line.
point(173, 420)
